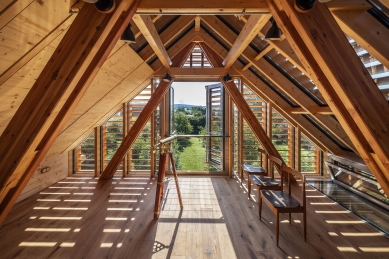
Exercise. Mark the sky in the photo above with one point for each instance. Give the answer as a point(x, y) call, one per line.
point(190, 92)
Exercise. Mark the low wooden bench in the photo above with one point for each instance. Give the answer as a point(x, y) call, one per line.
point(249, 170)
point(283, 202)
point(262, 182)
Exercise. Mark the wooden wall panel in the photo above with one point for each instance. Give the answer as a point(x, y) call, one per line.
point(4, 4)
point(39, 181)
point(28, 28)
point(15, 89)
point(102, 109)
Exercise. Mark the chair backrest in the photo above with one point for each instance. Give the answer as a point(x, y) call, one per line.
point(298, 176)
point(263, 152)
point(275, 161)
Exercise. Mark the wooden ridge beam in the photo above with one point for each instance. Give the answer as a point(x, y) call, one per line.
point(250, 30)
point(367, 31)
point(274, 76)
point(55, 94)
point(343, 81)
point(202, 7)
point(146, 26)
point(268, 95)
point(132, 135)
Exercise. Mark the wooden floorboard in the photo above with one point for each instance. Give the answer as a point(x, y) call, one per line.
point(81, 217)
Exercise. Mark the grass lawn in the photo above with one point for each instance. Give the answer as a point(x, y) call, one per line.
point(193, 157)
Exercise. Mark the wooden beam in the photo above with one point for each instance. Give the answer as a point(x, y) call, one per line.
point(168, 35)
point(263, 52)
point(274, 76)
point(202, 7)
point(55, 94)
point(146, 26)
point(268, 95)
point(197, 23)
point(367, 31)
point(315, 110)
point(179, 72)
point(358, 5)
point(250, 118)
point(176, 48)
point(250, 30)
point(132, 135)
point(343, 81)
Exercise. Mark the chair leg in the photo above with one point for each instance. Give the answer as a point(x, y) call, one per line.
point(277, 225)
point(241, 177)
point(305, 226)
point(249, 186)
point(290, 218)
point(259, 204)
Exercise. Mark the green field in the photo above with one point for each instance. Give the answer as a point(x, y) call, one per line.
point(192, 157)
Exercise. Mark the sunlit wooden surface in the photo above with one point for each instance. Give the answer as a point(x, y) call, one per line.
point(80, 217)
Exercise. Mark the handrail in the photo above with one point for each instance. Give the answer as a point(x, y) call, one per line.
point(173, 137)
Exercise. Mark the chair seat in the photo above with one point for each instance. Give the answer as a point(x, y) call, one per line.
point(280, 199)
point(263, 180)
point(253, 169)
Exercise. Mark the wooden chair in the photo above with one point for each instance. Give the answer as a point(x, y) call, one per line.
point(283, 202)
point(249, 170)
point(262, 182)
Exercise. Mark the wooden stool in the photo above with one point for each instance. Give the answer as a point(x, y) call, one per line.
point(250, 170)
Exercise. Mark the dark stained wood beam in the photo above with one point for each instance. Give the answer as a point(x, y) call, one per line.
point(55, 94)
point(343, 81)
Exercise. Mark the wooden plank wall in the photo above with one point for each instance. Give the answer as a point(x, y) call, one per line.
point(58, 170)
point(28, 28)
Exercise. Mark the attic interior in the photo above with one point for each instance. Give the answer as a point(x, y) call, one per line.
point(91, 112)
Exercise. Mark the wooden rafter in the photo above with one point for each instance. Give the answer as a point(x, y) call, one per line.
point(146, 26)
point(250, 30)
point(168, 35)
point(343, 81)
point(278, 79)
point(55, 94)
point(132, 135)
point(147, 111)
point(367, 31)
point(268, 95)
point(244, 108)
point(316, 110)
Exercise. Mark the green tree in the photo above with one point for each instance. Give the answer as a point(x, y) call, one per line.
point(182, 124)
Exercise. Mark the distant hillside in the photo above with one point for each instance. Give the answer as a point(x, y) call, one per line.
point(186, 106)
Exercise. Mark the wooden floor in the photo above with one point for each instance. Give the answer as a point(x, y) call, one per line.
point(83, 218)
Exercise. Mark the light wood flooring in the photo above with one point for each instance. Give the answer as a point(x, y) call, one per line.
point(80, 217)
